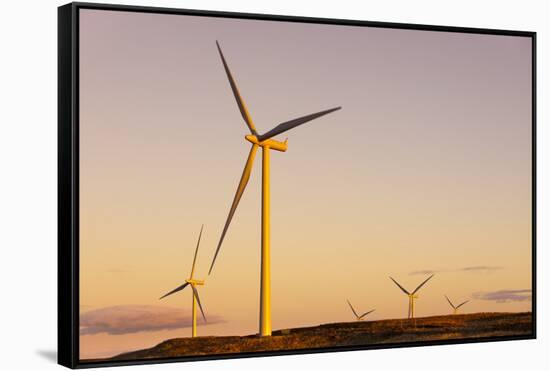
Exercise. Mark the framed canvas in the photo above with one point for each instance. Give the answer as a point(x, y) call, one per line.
point(239, 185)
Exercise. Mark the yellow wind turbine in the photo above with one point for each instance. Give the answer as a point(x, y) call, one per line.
point(357, 316)
point(412, 295)
point(267, 144)
point(455, 308)
point(193, 282)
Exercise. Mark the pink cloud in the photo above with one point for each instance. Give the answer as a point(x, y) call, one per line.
point(126, 319)
point(504, 296)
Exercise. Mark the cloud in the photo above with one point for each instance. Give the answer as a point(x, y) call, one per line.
point(504, 296)
point(422, 272)
point(481, 268)
point(127, 319)
point(472, 269)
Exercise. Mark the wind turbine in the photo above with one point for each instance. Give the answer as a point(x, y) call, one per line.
point(412, 295)
point(455, 308)
point(193, 282)
point(359, 317)
point(267, 143)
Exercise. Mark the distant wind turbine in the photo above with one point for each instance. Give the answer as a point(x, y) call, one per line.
point(193, 283)
point(412, 295)
point(455, 308)
point(357, 316)
point(267, 143)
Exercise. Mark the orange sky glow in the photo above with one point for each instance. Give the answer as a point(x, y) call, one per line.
point(426, 169)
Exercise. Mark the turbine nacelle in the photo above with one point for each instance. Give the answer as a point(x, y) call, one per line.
point(268, 143)
point(195, 282)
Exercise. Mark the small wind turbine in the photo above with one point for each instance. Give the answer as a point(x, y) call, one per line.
point(412, 295)
point(455, 308)
point(267, 143)
point(359, 317)
point(193, 283)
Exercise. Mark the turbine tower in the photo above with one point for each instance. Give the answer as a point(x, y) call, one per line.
point(193, 282)
point(412, 295)
point(267, 143)
point(359, 317)
point(455, 308)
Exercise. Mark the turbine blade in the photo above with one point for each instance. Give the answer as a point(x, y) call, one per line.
point(366, 313)
point(179, 288)
point(353, 310)
point(450, 302)
point(196, 293)
point(422, 284)
point(461, 304)
point(285, 126)
point(242, 107)
point(196, 251)
point(401, 287)
point(240, 189)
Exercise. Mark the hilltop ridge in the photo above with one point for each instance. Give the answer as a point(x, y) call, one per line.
point(389, 331)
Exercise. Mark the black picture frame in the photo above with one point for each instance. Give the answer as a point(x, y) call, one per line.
point(68, 178)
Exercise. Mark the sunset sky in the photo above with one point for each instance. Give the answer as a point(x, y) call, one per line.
point(426, 169)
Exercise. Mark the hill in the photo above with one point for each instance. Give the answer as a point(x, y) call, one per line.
point(392, 331)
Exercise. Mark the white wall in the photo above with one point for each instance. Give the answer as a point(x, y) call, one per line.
point(28, 78)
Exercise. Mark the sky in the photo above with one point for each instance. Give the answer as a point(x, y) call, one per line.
point(425, 169)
